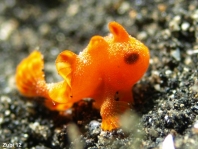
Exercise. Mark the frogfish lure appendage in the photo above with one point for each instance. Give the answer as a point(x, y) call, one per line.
point(105, 70)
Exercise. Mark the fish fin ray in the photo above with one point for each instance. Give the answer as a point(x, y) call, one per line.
point(29, 76)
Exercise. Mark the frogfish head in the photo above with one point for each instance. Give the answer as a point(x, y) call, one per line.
point(127, 58)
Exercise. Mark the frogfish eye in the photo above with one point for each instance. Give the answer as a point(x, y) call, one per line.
point(131, 58)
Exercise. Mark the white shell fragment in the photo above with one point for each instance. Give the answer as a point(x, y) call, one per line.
point(168, 142)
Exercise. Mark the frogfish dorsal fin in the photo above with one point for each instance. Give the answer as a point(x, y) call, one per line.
point(119, 33)
point(96, 44)
point(64, 65)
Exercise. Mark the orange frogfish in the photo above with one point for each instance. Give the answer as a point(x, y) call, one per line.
point(105, 71)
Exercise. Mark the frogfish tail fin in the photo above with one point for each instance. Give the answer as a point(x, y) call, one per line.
point(29, 77)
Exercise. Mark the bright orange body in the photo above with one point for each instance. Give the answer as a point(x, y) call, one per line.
point(105, 70)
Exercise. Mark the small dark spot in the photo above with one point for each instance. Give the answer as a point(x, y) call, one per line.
point(71, 96)
point(131, 58)
point(116, 97)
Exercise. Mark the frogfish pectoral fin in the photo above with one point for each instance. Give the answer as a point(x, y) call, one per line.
point(29, 77)
point(110, 112)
